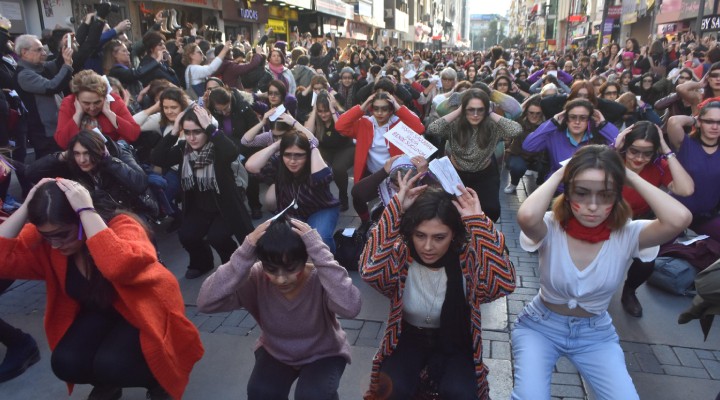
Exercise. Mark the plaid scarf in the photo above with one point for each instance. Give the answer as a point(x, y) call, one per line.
point(198, 168)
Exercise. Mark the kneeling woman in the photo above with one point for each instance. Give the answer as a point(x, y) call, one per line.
point(585, 244)
point(212, 204)
point(301, 181)
point(420, 257)
point(115, 316)
point(295, 302)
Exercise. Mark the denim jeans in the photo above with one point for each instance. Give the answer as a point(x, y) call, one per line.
point(272, 379)
point(172, 191)
point(541, 336)
point(517, 167)
point(325, 221)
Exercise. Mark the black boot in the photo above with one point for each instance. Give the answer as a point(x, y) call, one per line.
point(19, 357)
point(158, 393)
point(630, 302)
point(105, 393)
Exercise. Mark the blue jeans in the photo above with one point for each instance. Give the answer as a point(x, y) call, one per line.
point(325, 221)
point(541, 336)
point(272, 379)
point(172, 191)
point(517, 167)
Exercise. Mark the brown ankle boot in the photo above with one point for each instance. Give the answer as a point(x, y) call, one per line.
point(630, 302)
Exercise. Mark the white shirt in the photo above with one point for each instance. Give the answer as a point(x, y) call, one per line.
point(592, 288)
point(424, 295)
point(379, 151)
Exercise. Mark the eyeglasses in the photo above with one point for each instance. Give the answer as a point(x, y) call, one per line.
point(586, 196)
point(499, 84)
point(715, 75)
point(578, 118)
point(294, 156)
point(535, 114)
point(273, 94)
point(381, 108)
point(711, 122)
point(611, 93)
point(448, 79)
point(194, 132)
point(637, 153)
point(475, 111)
point(60, 238)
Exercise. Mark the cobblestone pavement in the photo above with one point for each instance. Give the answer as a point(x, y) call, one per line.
point(28, 298)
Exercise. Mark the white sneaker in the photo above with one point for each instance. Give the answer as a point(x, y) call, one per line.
point(510, 188)
point(530, 173)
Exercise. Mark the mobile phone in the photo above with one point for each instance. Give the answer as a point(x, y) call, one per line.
point(69, 41)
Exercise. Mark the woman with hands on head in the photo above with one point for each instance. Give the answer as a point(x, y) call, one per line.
point(196, 72)
point(437, 258)
point(585, 245)
point(371, 148)
point(646, 153)
point(213, 207)
point(106, 293)
point(88, 108)
point(337, 150)
point(472, 133)
point(296, 301)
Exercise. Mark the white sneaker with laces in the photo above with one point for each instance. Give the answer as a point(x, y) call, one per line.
point(510, 188)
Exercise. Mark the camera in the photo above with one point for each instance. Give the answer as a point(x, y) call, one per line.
point(104, 8)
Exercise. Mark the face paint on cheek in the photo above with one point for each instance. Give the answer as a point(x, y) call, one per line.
point(608, 209)
point(575, 206)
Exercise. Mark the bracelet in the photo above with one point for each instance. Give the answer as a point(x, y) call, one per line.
point(293, 124)
point(669, 155)
point(79, 210)
point(694, 120)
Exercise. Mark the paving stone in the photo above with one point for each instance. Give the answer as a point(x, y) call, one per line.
point(522, 290)
point(367, 342)
point(352, 335)
point(231, 330)
point(352, 323)
point(631, 363)
point(494, 335)
point(211, 324)
point(567, 391)
point(717, 354)
point(686, 371)
point(633, 347)
point(712, 367)
point(515, 306)
point(521, 297)
point(486, 349)
point(564, 365)
point(531, 285)
point(704, 354)
point(501, 350)
point(649, 363)
point(566, 379)
point(248, 322)
point(235, 318)
point(199, 319)
point(370, 330)
point(687, 357)
point(664, 354)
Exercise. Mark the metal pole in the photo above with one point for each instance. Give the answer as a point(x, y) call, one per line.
point(606, 6)
point(698, 24)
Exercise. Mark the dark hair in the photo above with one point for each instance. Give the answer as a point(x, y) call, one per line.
point(642, 130)
point(157, 86)
point(315, 49)
point(89, 140)
point(280, 86)
point(323, 101)
point(595, 157)
point(532, 101)
point(708, 94)
point(465, 131)
point(703, 109)
point(174, 94)
point(191, 117)
point(219, 95)
point(384, 84)
point(433, 203)
point(303, 60)
point(49, 205)
point(607, 84)
point(290, 139)
point(151, 40)
point(280, 246)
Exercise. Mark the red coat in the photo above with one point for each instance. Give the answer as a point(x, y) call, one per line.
point(356, 125)
point(127, 129)
point(148, 295)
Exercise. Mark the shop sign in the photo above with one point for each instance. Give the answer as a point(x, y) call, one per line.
point(278, 26)
point(711, 23)
point(629, 12)
point(299, 3)
point(248, 14)
point(212, 4)
point(576, 18)
point(334, 7)
point(282, 13)
point(614, 12)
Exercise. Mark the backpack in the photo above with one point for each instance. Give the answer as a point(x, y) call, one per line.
point(349, 249)
point(673, 275)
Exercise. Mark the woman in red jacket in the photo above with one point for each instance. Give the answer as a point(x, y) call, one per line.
point(115, 316)
point(372, 149)
point(89, 108)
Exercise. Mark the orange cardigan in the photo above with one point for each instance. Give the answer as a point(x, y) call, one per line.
point(352, 124)
point(148, 295)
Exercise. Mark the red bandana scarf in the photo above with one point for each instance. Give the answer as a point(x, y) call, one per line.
point(578, 231)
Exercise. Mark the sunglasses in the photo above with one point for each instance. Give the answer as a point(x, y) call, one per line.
point(578, 118)
point(381, 108)
point(711, 122)
point(475, 111)
point(294, 156)
point(715, 75)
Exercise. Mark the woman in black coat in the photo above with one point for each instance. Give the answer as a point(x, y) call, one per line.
point(213, 207)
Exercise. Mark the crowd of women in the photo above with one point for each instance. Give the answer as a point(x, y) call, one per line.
point(622, 143)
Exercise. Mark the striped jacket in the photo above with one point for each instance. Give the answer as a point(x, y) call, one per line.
point(489, 274)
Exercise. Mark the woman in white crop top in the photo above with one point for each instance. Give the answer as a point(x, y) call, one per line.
point(585, 246)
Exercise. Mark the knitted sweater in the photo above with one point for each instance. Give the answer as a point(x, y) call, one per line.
point(148, 295)
point(297, 331)
point(353, 123)
point(489, 274)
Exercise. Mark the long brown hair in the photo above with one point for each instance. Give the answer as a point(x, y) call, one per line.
point(465, 130)
point(595, 157)
point(575, 88)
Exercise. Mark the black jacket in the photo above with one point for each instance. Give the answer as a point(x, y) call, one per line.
point(230, 201)
point(149, 70)
point(243, 118)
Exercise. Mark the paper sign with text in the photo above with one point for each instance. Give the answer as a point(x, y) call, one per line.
point(409, 141)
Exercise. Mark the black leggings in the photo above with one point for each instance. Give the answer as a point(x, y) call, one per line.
point(9, 335)
point(102, 349)
point(639, 272)
point(487, 185)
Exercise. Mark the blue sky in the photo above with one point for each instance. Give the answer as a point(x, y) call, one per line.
point(489, 7)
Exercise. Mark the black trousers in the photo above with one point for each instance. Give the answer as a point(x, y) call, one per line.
point(487, 185)
point(102, 349)
point(9, 335)
point(639, 272)
point(202, 229)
